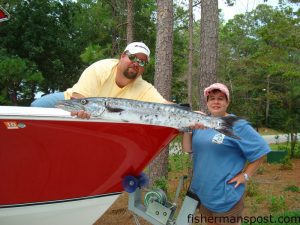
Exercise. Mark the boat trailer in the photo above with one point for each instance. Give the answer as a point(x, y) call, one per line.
point(155, 208)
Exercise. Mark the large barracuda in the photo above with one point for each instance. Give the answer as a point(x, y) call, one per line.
point(133, 111)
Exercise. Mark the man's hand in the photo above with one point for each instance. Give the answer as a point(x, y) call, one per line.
point(80, 114)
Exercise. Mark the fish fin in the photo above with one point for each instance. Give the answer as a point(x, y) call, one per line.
point(229, 133)
point(185, 105)
point(228, 122)
point(113, 110)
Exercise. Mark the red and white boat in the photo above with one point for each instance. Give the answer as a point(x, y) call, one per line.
point(56, 169)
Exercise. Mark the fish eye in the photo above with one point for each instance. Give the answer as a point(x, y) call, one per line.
point(84, 101)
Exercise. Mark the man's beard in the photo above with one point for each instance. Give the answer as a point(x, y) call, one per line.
point(130, 76)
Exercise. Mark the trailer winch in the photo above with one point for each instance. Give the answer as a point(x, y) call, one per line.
point(155, 207)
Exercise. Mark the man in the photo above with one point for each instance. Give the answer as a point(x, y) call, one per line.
point(119, 78)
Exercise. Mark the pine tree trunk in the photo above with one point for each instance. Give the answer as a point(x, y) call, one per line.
point(164, 48)
point(163, 75)
point(208, 46)
point(267, 101)
point(129, 26)
point(114, 34)
point(190, 67)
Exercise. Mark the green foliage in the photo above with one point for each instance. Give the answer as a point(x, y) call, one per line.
point(94, 53)
point(292, 188)
point(297, 150)
point(161, 183)
point(18, 79)
point(286, 163)
point(287, 147)
point(280, 146)
point(259, 60)
point(42, 33)
point(260, 198)
point(252, 189)
point(277, 204)
point(260, 170)
point(179, 162)
point(56, 36)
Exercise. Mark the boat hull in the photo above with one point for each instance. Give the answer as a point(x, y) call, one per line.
point(48, 156)
point(75, 212)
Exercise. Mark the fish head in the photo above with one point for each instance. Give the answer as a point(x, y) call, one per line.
point(73, 105)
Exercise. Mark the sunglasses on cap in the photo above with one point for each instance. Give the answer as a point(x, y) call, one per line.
point(133, 58)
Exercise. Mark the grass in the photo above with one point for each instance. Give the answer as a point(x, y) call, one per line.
point(292, 188)
point(279, 146)
point(179, 162)
point(277, 204)
point(252, 189)
point(286, 147)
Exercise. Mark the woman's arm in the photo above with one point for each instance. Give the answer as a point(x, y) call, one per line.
point(187, 136)
point(252, 167)
point(249, 171)
point(187, 142)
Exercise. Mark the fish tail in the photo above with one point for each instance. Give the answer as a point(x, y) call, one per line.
point(227, 124)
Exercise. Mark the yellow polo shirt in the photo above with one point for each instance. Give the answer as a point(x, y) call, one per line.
point(98, 80)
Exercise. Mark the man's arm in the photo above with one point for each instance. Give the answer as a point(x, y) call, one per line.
point(76, 95)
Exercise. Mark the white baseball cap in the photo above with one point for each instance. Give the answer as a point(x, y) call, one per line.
point(138, 47)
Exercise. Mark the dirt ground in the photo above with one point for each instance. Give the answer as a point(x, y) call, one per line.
point(272, 191)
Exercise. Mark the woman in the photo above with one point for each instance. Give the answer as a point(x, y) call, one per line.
point(220, 170)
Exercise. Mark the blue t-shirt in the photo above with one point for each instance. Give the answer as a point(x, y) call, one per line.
point(218, 158)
